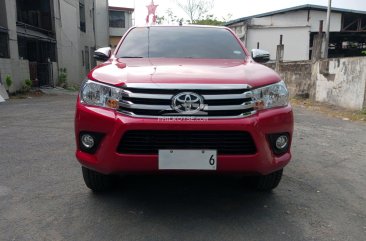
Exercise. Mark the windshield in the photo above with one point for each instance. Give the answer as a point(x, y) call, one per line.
point(180, 42)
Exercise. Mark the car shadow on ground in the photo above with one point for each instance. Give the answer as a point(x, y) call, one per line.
point(193, 195)
point(194, 207)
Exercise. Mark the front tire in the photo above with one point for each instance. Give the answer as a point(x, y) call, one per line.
point(96, 181)
point(268, 182)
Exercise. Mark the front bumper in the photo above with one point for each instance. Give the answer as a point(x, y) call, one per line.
point(113, 125)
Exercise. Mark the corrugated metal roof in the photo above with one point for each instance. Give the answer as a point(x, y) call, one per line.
point(297, 8)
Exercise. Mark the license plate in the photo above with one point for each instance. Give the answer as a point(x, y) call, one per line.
point(187, 159)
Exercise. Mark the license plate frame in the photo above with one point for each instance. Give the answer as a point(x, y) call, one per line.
point(205, 160)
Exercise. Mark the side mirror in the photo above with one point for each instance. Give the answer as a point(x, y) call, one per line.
point(260, 56)
point(102, 54)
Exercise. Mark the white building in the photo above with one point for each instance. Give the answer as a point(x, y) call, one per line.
point(120, 20)
point(75, 37)
point(298, 25)
point(39, 37)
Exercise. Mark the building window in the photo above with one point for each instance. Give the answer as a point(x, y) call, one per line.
point(4, 45)
point(87, 63)
point(117, 19)
point(82, 15)
point(36, 13)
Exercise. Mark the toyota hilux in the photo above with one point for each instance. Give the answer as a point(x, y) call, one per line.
point(181, 99)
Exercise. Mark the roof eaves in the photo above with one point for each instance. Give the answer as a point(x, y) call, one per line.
point(296, 8)
point(120, 8)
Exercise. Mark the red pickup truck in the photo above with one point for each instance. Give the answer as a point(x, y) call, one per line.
point(182, 99)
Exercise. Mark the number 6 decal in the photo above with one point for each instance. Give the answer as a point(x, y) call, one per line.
point(212, 160)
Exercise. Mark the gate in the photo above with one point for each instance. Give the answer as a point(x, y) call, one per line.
point(33, 73)
point(40, 73)
point(44, 73)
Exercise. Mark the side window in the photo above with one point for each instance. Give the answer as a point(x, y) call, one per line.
point(135, 44)
point(82, 15)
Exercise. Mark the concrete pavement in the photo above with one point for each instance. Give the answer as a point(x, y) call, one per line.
point(322, 195)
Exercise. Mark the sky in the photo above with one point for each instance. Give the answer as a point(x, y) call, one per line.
point(236, 8)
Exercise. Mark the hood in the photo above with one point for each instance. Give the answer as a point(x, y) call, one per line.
point(184, 71)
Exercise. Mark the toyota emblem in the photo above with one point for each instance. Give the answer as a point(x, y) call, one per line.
point(187, 103)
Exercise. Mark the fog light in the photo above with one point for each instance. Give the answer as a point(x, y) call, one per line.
point(281, 142)
point(90, 141)
point(87, 141)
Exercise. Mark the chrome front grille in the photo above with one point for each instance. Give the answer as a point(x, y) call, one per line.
point(219, 101)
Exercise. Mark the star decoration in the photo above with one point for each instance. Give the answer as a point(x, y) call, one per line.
point(152, 8)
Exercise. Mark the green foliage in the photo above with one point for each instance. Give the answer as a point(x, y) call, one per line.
point(209, 20)
point(28, 82)
point(8, 82)
point(62, 78)
point(26, 87)
point(195, 9)
point(168, 18)
point(364, 52)
point(160, 20)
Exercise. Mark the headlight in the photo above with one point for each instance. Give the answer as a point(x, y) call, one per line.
point(270, 96)
point(94, 93)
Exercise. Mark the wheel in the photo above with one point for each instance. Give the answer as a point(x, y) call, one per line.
point(96, 181)
point(268, 182)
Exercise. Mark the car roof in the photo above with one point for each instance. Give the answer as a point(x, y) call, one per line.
point(182, 26)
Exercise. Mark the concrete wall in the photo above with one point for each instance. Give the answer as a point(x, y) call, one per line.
point(340, 82)
point(67, 34)
point(17, 69)
point(101, 23)
point(240, 29)
point(297, 76)
point(13, 66)
point(10, 11)
point(345, 83)
point(87, 40)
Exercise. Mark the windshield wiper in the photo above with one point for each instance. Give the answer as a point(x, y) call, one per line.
point(131, 57)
